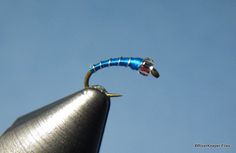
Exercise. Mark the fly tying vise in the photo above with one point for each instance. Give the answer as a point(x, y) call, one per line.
point(143, 66)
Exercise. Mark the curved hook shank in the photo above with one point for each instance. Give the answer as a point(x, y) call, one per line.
point(144, 66)
point(86, 79)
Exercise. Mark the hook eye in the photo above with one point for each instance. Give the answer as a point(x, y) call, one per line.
point(155, 73)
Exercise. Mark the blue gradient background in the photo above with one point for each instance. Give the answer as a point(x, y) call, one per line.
point(46, 48)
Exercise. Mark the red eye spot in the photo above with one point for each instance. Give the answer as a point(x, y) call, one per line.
point(144, 70)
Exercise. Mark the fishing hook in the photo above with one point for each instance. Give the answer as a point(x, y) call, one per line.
point(143, 66)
